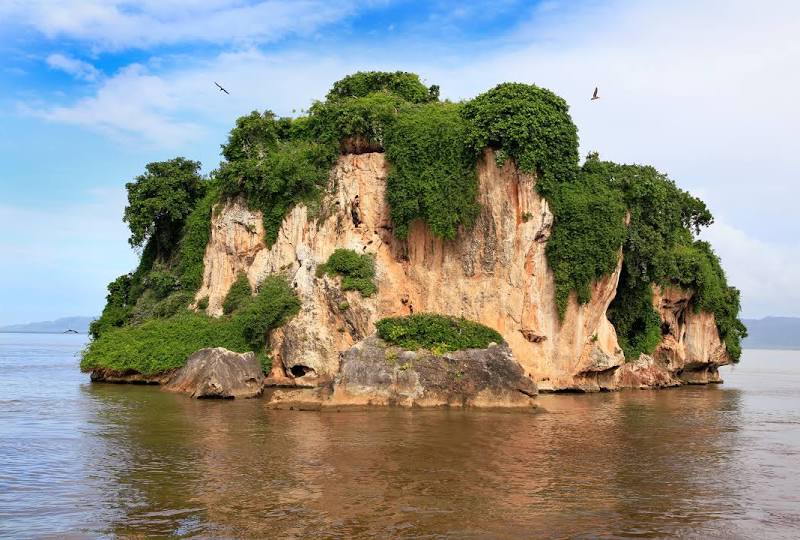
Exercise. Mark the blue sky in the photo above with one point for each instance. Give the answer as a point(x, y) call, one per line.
point(92, 90)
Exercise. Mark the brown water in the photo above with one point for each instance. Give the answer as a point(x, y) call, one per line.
point(82, 460)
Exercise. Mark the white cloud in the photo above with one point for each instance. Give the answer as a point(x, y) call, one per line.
point(765, 272)
point(120, 24)
point(705, 91)
point(73, 66)
point(134, 106)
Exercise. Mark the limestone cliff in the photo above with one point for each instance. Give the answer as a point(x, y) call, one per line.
point(495, 273)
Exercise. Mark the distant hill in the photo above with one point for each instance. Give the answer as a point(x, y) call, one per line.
point(772, 333)
point(79, 324)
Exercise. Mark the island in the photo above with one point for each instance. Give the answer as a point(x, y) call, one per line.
point(392, 248)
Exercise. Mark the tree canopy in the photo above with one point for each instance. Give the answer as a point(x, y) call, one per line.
point(160, 200)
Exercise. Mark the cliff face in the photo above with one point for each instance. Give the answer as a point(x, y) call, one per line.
point(496, 274)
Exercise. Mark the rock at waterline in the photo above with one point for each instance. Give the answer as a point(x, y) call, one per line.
point(375, 373)
point(219, 373)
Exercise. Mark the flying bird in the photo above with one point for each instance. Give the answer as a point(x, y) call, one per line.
point(595, 96)
point(221, 89)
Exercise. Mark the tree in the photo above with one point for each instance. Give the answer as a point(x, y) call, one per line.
point(160, 200)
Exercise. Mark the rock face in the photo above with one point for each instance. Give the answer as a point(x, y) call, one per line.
point(219, 373)
point(496, 274)
point(373, 373)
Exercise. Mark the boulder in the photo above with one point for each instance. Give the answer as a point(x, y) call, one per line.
point(374, 373)
point(219, 373)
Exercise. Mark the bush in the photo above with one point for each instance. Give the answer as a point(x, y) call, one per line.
point(194, 239)
point(202, 304)
point(438, 333)
point(530, 124)
point(274, 304)
point(174, 303)
point(433, 174)
point(238, 295)
point(357, 270)
point(158, 345)
point(403, 84)
point(161, 282)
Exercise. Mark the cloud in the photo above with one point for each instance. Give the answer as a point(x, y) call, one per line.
point(121, 24)
point(133, 106)
point(705, 91)
point(77, 68)
point(766, 273)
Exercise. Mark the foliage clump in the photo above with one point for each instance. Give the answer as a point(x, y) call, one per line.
point(160, 200)
point(400, 83)
point(160, 344)
point(238, 295)
point(357, 270)
point(274, 304)
point(438, 333)
point(660, 248)
point(433, 175)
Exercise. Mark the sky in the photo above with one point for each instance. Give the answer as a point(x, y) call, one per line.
point(92, 90)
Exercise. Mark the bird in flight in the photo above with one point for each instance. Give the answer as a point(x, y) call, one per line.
point(595, 96)
point(221, 89)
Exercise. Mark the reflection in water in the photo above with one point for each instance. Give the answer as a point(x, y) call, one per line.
point(637, 463)
point(127, 461)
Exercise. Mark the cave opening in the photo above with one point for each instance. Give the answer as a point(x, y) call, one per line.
point(299, 370)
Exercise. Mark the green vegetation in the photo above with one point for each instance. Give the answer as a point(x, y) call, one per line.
point(403, 84)
point(433, 174)
point(274, 304)
point(238, 295)
point(271, 169)
point(432, 147)
point(194, 239)
point(157, 345)
point(357, 271)
point(160, 200)
point(437, 333)
point(660, 248)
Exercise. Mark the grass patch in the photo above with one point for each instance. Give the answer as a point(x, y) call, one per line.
point(437, 333)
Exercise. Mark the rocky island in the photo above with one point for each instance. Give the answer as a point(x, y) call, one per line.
point(390, 248)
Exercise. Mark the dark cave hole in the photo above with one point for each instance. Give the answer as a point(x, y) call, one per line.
point(300, 370)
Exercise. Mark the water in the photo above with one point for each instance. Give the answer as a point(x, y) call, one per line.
point(81, 460)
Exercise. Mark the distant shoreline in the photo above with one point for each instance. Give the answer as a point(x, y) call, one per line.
point(41, 332)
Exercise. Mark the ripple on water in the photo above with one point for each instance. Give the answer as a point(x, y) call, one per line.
point(97, 460)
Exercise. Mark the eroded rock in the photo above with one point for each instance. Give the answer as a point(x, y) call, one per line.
point(374, 373)
point(219, 373)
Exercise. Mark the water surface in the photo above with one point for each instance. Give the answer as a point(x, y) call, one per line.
point(81, 460)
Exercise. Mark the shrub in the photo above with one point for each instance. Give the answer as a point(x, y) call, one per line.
point(202, 304)
point(238, 295)
point(194, 239)
point(161, 282)
point(403, 84)
point(433, 174)
point(274, 304)
point(530, 124)
point(174, 303)
point(436, 332)
point(158, 345)
point(357, 270)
